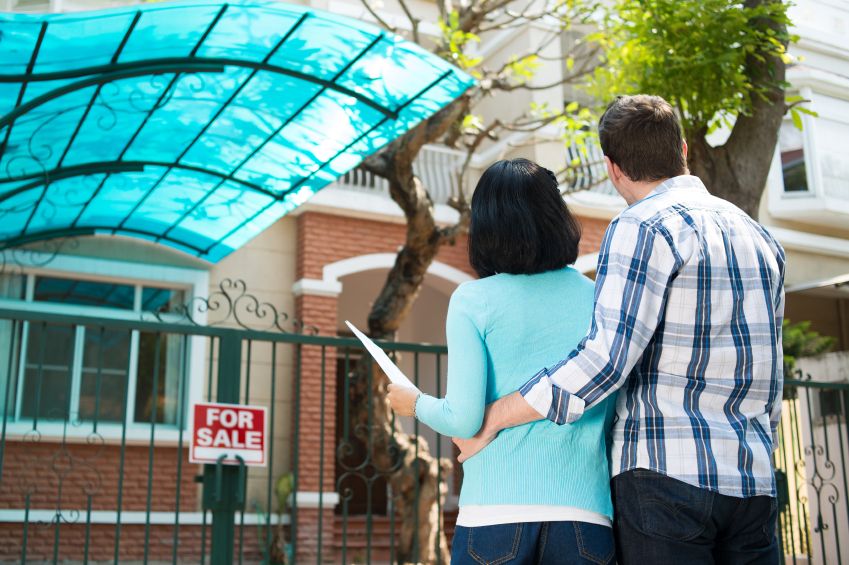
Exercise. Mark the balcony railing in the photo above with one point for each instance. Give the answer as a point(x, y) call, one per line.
point(437, 167)
point(590, 173)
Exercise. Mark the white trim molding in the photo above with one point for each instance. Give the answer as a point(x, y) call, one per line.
point(309, 499)
point(340, 201)
point(317, 287)
point(330, 285)
point(16, 516)
point(812, 243)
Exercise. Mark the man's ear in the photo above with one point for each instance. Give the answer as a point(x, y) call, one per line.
point(685, 149)
point(613, 170)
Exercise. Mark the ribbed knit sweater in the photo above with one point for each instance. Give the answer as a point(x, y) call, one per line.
point(501, 330)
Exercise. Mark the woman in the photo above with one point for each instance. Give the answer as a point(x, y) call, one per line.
point(538, 493)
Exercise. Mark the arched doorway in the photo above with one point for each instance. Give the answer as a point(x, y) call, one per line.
point(361, 279)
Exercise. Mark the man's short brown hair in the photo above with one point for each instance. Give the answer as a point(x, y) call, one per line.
point(642, 135)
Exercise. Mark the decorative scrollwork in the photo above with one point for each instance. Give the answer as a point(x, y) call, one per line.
point(232, 305)
point(13, 260)
point(69, 469)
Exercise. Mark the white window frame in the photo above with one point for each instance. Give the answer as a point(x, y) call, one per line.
point(196, 284)
point(814, 205)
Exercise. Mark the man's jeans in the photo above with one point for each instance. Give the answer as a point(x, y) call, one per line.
point(660, 520)
point(532, 543)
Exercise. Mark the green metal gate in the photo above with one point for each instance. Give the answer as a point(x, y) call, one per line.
point(93, 464)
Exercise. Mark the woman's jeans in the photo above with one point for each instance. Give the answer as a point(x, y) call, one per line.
point(544, 543)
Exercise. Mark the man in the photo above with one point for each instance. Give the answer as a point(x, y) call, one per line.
point(687, 323)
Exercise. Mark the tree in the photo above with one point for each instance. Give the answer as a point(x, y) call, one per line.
point(721, 63)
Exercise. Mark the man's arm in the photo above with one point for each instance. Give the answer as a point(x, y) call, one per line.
point(775, 412)
point(635, 268)
point(506, 412)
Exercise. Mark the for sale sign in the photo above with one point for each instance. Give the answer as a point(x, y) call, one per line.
point(228, 430)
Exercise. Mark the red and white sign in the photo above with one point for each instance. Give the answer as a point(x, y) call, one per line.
point(229, 430)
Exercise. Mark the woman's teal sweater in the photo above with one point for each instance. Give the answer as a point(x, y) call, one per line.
point(501, 330)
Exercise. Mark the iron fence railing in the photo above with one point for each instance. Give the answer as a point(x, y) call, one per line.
point(812, 464)
point(109, 480)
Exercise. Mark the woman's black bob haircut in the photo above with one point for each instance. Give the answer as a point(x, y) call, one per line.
point(520, 223)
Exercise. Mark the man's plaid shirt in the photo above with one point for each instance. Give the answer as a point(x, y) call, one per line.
point(687, 322)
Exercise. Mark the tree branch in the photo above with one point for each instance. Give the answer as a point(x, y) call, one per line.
point(414, 21)
point(479, 138)
point(588, 65)
point(383, 23)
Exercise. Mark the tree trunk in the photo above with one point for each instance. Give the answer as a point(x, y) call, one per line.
point(737, 171)
point(405, 460)
point(411, 470)
point(740, 179)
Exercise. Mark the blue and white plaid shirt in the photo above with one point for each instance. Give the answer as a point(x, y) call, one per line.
point(689, 302)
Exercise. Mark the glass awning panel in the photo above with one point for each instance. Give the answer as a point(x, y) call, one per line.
point(195, 124)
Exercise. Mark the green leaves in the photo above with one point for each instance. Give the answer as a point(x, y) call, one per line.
point(799, 340)
point(794, 103)
point(522, 69)
point(455, 40)
point(694, 53)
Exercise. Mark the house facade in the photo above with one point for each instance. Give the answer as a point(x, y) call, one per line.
point(323, 263)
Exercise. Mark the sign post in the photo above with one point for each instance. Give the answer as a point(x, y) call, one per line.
point(224, 485)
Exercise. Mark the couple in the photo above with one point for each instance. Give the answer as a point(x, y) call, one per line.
point(674, 390)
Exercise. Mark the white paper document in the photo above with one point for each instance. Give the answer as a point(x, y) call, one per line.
point(396, 376)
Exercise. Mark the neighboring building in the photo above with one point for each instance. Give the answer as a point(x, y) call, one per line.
point(806, 202)
point(326, 262)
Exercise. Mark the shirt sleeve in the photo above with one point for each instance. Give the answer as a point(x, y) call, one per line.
point(775, 409)
point(636, 265)
point(460, 413)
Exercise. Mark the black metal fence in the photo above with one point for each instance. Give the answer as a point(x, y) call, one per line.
point(812, 462)
point(94, 437)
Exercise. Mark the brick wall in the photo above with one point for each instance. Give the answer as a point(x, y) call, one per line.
point(592, 232)
point(101, 543)
point(321, 311)
point(325, 239)
point(44, 470)
point(65, 476)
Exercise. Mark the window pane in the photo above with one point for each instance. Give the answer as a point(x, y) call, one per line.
point(791, 146)
point(10, 347)
point(106, 358)
point(12, 286)
point(166, 395)
point(86, 293)
point(47, 374)
point(162, 299)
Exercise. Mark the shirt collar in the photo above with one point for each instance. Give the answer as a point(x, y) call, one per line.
point(689, 182)
point(686, 182)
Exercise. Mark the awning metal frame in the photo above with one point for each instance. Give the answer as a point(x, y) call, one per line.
point(177, 68)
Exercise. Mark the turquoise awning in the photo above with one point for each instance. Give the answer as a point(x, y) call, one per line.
point(195, 124)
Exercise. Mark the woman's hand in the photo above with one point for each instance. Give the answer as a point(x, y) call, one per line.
point(403, 399)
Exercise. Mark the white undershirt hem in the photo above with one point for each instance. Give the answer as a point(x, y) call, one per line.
point(473, 516)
